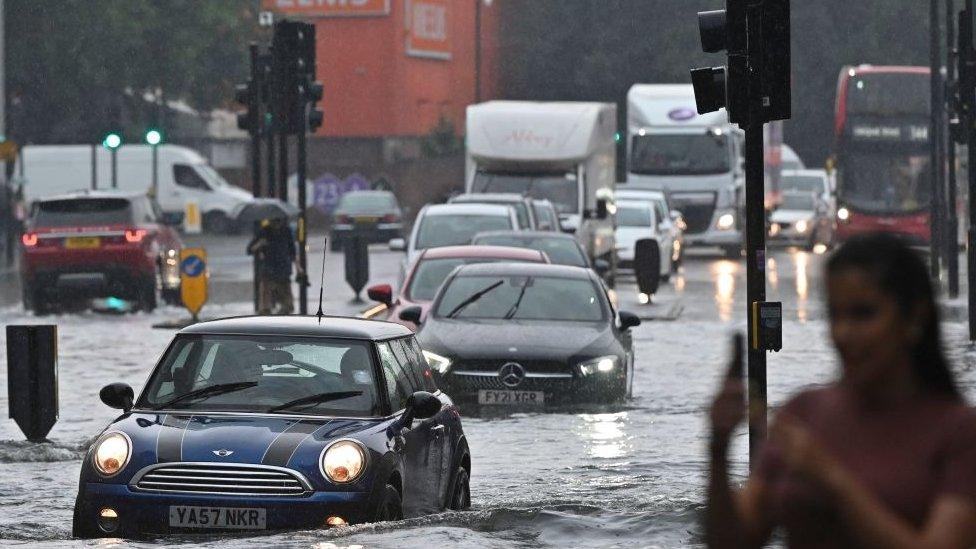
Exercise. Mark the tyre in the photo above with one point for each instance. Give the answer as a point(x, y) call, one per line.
point(35, 301)
point(390, 506)
point(460, 499)
point(218, 222)
point(146, 298)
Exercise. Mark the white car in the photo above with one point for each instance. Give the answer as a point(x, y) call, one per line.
point(452, 225)
point(637, 220)
point(802, 219)
point(810, 181)
point(670, 223)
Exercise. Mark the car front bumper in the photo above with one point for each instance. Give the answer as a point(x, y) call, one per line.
point(146, 513)
point(559, 388)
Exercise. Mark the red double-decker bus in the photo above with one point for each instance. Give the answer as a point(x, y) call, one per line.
point(882, 155)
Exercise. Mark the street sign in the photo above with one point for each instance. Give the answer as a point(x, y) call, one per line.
point(193, 279)
point(192, 220)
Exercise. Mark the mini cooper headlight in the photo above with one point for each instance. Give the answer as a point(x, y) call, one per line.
point(112, 453)
point(439, 363)
point(343, 461)
point(603, 364)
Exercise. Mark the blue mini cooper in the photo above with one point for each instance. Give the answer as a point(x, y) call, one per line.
point(262, 423)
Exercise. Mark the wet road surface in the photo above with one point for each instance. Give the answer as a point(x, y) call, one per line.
point(623, 476)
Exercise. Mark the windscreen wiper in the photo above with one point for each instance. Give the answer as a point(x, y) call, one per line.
point(511, 312)
point(209, 391)
point(472, 298)
point(315, 399)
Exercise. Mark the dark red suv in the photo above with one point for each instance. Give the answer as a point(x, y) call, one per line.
point(99, 244)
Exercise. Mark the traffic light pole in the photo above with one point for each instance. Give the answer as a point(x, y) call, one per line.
point(952, 238)
point(755, 285)
point(301, 168)
point(967, 98)
point(283, 167)
point(115, 167)
point(935, 160)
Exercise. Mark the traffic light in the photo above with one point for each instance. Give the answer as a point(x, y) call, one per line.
point(247, 95)
point(754, 86)
point(112, 141)
point(313, 94)
point(153, 137)
point(287, 77)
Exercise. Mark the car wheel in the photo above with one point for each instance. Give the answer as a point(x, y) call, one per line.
point(147, 296)
point(34, 300)
point(461, 497)
point(390, 506)
point(217, 222)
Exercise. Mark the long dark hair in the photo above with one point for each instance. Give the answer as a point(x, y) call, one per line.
point(901, 274)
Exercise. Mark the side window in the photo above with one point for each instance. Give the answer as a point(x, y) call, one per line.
point(420, 363)
point(398, 387)
point(186, 176)
point(662, 212)
point(400, 352)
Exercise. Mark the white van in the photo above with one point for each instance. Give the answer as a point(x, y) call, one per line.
point(184, 177)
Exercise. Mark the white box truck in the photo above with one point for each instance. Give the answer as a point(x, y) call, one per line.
point(184, 177)
point(693, 158)
point(564, 152)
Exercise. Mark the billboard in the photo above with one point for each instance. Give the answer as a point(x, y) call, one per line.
point(428, 28)
point(328, 8)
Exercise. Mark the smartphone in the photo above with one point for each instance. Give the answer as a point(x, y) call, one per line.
point(736, 364)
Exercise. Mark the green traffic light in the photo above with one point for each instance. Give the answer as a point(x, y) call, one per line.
point(154, 137)
point(112, 141)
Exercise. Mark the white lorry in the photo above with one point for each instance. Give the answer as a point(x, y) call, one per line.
point(184, 177)
point(564, 152)
point(693, 158)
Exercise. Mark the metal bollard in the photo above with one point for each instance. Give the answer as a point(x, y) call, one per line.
point(357, 264)
point(32, 378)
point(647, 266)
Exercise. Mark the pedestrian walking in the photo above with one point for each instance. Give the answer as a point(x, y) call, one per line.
point(883, 457)
point(274, 246)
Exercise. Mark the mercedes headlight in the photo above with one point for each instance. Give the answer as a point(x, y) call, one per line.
point(802, 226)
point(726, 222)
point(112, 452)
point(602, 365)
point(843, 214)
point(441, 364)
point(343, 461)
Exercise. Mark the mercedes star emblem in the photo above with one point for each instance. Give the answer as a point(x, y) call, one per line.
point(223, 453)
point(511, 374)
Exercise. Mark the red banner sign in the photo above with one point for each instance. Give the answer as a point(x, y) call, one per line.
point(328, 8)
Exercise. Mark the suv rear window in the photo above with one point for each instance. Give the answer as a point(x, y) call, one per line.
point(85, 211)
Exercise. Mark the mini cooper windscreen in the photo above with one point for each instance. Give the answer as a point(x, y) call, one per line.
point(265, 375)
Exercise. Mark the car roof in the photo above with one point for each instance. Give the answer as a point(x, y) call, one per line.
point(525, 269)
point(513, 198)
point(637, 194)
point(492, 252)
point(302, 326)
point(811, 173)
point(528, 235)
point(82, 194)
point(467, 209)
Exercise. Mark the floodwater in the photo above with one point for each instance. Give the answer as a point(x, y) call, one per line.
point(627, 476)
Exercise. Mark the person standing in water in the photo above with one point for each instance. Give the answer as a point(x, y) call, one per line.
point(883, 457)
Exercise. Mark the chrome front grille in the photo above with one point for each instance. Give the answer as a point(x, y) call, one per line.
point(221, 479)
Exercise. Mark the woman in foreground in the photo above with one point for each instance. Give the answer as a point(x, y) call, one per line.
point(883, 457)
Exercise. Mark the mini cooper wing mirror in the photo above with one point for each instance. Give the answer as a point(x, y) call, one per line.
point(628, 320)
point(381, 293)
point(421, 405)
point(117, 395)
point(412, 314)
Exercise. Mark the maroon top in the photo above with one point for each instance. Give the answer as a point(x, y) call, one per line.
point(906, 454)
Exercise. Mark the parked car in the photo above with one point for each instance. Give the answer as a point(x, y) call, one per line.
point(671, 222)
point(526, 334)
point(561, 248)
point(262, 423)
point(374, 216)
point(546, 216)
point(99, 244)
point(637, 223)
point(429, 271)
point(440, 225)
point(523, 206)
point(802, 219)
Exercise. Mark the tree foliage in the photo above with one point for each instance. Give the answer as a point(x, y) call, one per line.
point(595, 50)
point(74, 66)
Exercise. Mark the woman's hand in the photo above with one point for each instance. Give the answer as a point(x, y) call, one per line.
point(729, 408)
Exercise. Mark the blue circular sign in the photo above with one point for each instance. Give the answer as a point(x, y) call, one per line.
point(193, 265)
point(682, 114)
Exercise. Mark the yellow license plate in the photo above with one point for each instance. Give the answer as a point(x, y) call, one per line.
point(366, 219)
point(82, 242)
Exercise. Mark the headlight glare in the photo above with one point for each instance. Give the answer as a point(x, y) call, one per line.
point(112, 453)
point(439, 363)
point(843, 214)
point(802, 226)
point(343, 461)
point(603, 365)
point(726, 222)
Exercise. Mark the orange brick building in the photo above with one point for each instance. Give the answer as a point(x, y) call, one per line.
point(396, 68)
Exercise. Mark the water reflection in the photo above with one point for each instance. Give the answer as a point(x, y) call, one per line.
point(771, 273)
point(604, 435)
point(723, 274)
point(802, 262)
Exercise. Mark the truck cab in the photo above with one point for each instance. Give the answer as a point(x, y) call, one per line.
point(563, 152)
point(695, 159)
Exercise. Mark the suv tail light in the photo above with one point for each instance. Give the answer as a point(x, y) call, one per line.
point(343, 219)
point(134, 236)
point(29, 239)
point(390, 218)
